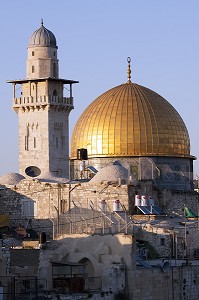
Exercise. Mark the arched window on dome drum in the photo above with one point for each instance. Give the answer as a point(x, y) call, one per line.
point(54, 69)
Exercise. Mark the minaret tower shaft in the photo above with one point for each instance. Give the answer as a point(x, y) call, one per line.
point(43, 110)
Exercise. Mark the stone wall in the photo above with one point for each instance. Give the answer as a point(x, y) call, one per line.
point(107, 261)
point(177, 283)
point(113, 261)
point(42, 205)
point(171, 201)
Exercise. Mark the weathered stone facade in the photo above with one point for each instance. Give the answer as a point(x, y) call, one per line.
point(60, 208)
point(179, 282)
point(110, 251)
point(43, 110)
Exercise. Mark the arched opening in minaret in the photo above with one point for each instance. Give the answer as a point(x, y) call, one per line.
point(55, 93)
point(54, 69)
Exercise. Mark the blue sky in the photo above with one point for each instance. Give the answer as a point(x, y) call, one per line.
point(94, 38)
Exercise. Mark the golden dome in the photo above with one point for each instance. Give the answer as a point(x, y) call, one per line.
point(130, 120)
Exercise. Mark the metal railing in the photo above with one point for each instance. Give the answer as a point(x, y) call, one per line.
point(92, 222)
point(21, 287)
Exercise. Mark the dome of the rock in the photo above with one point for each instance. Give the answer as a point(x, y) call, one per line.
point(130, 120)
point(137, 126)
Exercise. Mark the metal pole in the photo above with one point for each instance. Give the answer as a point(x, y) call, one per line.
point(69, 204)
point(176, 246)
point(58, 209)
point(126, 227)
point(185, 239)
point(14, 90)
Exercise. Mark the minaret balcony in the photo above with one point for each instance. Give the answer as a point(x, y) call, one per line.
point(42, 100)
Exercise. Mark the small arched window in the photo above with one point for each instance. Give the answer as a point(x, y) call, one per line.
point(54, 69)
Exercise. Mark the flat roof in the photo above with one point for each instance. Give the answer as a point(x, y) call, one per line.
point(68, 81)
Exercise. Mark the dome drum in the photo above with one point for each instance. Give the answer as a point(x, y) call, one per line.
point(166, 172)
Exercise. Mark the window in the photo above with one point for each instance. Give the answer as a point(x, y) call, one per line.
point(54, 53)
point(54, 93)
point(35, 144)
point(33, 69)
point(62, 142)
point(28, 208)
point(54, 69)
point(57, 142)
point(162, 241)
point(26, 143)
point(33, 53)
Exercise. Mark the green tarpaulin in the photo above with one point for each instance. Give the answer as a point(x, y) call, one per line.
point(188, 213)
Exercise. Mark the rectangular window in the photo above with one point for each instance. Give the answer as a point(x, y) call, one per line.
point(35, 144)
point(162, 241)
point(33, 53)
point(26, 143)
point(28, 208)
point(62, 142)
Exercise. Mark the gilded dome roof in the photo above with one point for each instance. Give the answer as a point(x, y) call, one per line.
point(43, 37)
point(130, 120)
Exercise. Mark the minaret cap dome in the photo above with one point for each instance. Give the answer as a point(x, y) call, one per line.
point(43, 37)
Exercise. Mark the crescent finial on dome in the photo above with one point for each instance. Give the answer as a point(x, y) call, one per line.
point(129, 69)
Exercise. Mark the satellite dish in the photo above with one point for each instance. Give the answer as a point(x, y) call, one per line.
point(32, 171)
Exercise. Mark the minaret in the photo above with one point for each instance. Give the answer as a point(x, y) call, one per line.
point(43, 110)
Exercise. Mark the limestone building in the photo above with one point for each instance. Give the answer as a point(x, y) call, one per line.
point(43, 109)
